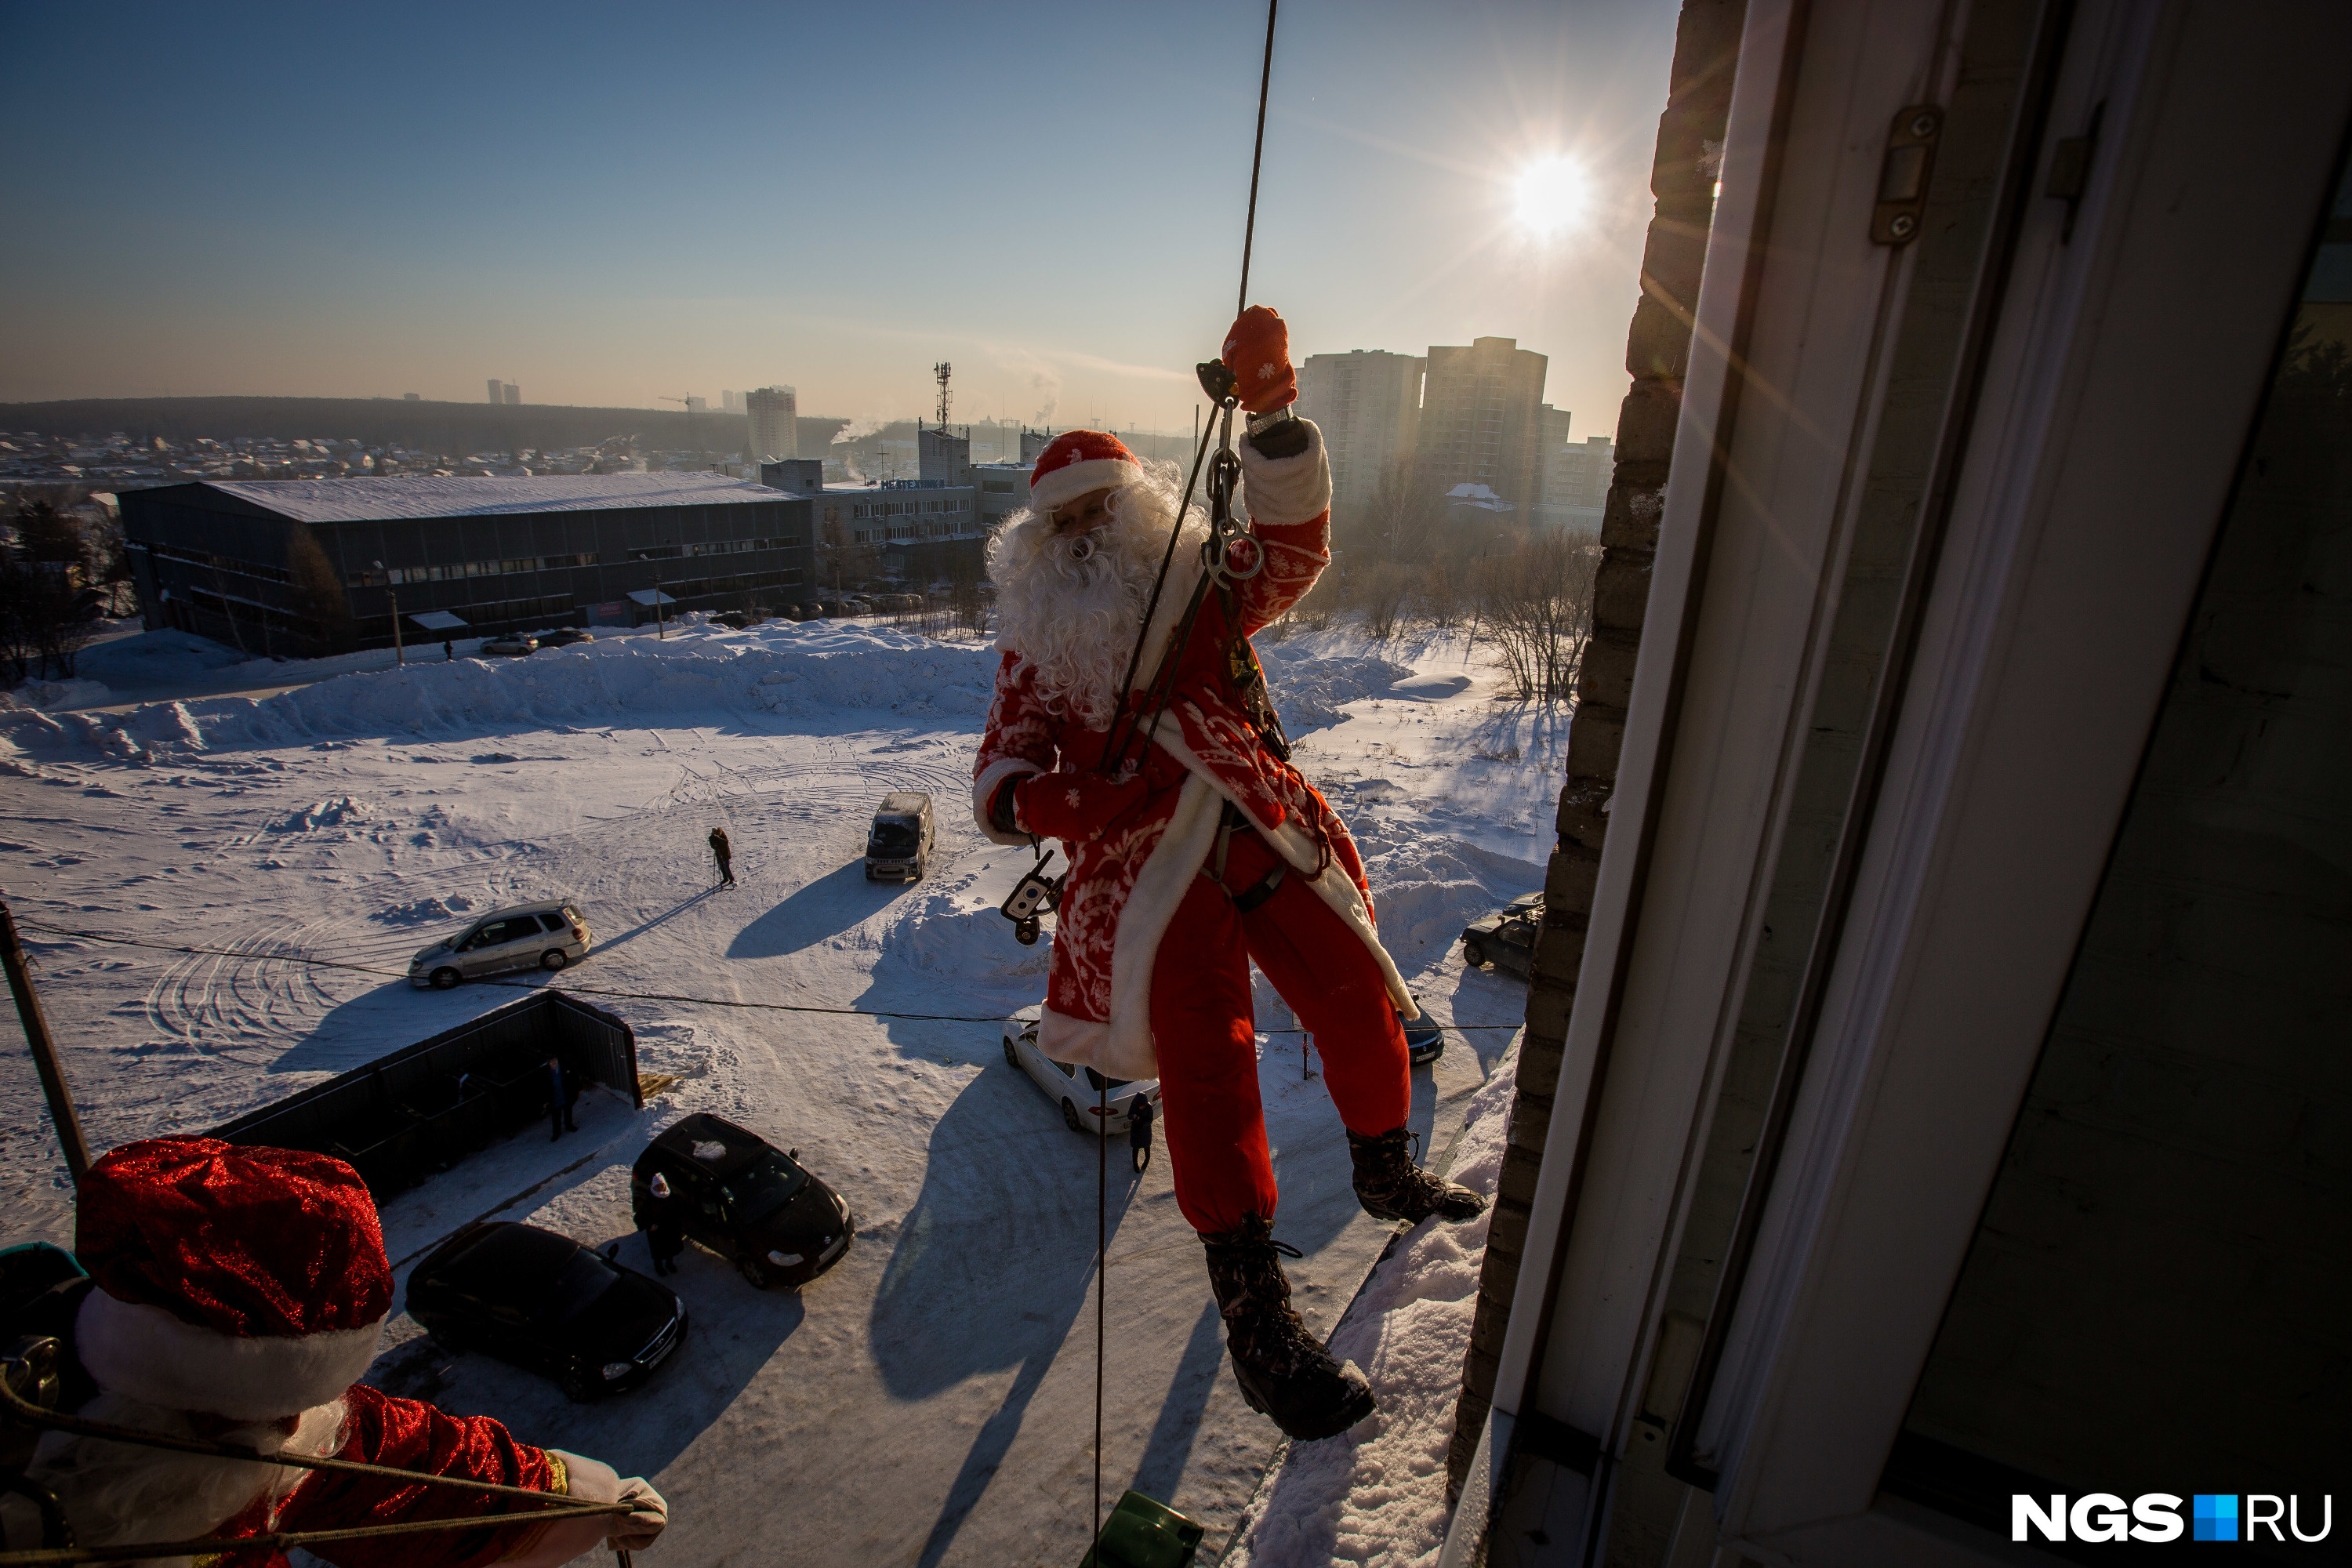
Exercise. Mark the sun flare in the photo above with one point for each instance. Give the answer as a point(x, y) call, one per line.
point(1551, 195)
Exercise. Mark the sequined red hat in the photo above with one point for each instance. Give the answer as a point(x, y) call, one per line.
point(1078, 462)
point(248, 1283)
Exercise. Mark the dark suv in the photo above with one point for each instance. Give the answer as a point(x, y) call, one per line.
point(743, 1198)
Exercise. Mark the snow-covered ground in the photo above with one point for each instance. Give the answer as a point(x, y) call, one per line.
point(931, 1399)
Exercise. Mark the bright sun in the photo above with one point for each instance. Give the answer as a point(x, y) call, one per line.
point(1551, 195)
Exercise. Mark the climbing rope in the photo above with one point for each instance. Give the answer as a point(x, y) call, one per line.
point(1163, 683)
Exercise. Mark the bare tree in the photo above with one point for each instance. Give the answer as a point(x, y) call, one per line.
point(319, 590)
point(1536, 602)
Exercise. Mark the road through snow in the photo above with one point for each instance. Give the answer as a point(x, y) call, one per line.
point(931, 1400)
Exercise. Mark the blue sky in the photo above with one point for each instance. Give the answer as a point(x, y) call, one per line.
point(608, 203)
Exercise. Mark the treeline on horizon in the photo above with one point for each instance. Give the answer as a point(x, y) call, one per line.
point(455, 428)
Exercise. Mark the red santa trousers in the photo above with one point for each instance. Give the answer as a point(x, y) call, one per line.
point(1205, 1030)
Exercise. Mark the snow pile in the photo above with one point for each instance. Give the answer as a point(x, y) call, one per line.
point(340, 811)
point(1426, 887)
point(424, 912)
point(1376, 1494)
point(793, 670)
point(76, 693)
point(1308, 692)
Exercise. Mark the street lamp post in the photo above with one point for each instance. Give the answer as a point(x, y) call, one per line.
point(399, 653)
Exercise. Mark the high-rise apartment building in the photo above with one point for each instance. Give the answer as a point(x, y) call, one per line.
point(696, 404)
point(1368, 403)
point(497, 390)
point(775, 415)
point(1481, 419)
point(1576, 484)
point(731, 402)
point(514, 393)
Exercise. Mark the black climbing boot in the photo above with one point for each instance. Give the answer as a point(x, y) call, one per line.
point(1391, 1186)
point(1285, 1371)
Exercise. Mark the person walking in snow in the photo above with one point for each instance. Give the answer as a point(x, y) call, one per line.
point(1201, 853)
point(564, 1086)
point(724, 852)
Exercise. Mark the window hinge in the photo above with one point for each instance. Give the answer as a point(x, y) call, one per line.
point(1902, 174)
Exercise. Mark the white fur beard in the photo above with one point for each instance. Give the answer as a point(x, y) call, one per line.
point(115, 1492)
point(1070, 604)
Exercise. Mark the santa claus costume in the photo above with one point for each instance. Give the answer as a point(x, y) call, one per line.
point(1198, 850)
point(238, 1295)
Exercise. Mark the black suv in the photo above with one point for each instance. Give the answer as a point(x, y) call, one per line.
point(743, 1198)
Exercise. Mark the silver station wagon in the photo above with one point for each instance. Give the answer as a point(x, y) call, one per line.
point(546, 935)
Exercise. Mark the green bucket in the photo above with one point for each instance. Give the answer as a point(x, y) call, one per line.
point(1142, 1532)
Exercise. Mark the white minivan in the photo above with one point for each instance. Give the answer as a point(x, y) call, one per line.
point(546, 935)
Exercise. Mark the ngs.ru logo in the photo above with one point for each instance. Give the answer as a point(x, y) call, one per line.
point(2156, 1516)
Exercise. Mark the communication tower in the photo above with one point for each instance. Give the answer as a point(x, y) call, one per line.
point(940, 373)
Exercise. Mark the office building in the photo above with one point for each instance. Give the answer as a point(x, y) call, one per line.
point(1368, 404)
point(497, 390)
point(514, 393)
point(731, 402)
point(1481, 419)
point(775, 415)
point(305, 566)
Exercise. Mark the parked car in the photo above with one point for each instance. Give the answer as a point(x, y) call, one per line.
point(1078, 1090)
point(898, 841)
point(1423, 1040)
point(546, 935)
point(856, 604)
point(733, 620)
point(744, 1199)
point(564, 637)
point(1506, 938)
point(547, 1304)
point(515, 645)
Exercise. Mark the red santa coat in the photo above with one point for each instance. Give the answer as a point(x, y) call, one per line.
point(406, 1434)
point(1125, 885)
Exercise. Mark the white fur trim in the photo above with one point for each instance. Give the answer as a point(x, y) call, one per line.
point(1073, 480)
point(1279, 492)
point(146, 1353)
point(1167, 876)
point(1174, 595)
point(553, 1545)
point(991, 779)
point(1080, 1042)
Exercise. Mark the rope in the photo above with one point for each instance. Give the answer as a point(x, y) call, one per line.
point(1257, 155)
point(1102, 1278)
point(306, 959)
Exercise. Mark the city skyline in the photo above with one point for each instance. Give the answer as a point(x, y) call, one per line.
point(596, 214)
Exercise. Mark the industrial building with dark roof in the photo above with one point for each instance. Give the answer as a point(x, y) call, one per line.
point(309, 566)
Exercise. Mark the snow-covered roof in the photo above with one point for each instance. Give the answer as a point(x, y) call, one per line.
point(373, 499)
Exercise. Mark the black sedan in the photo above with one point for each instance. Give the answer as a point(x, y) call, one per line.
point(1506, 938)
point(547, 1304)
point(742, 1197)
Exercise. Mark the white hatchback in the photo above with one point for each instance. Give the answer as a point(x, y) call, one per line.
point(546, 935)
point(1078, 1090)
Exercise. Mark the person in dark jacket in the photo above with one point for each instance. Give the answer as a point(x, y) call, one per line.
point(724, 852)
point(663, 1235)
point(565, 1086)
point(1139, 1130)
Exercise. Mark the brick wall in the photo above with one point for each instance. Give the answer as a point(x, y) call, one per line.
point(1657, 354)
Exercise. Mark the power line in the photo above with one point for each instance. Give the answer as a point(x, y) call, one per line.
point(306, 959)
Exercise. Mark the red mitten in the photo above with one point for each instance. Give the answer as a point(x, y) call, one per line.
point(1073, 807)
point(1257, 351)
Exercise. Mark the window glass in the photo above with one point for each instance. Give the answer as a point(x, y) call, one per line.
point(555, 924)
point(2144, 1301)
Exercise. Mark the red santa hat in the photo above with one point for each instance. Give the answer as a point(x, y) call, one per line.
point(1078, 462)
point(249, 1283)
